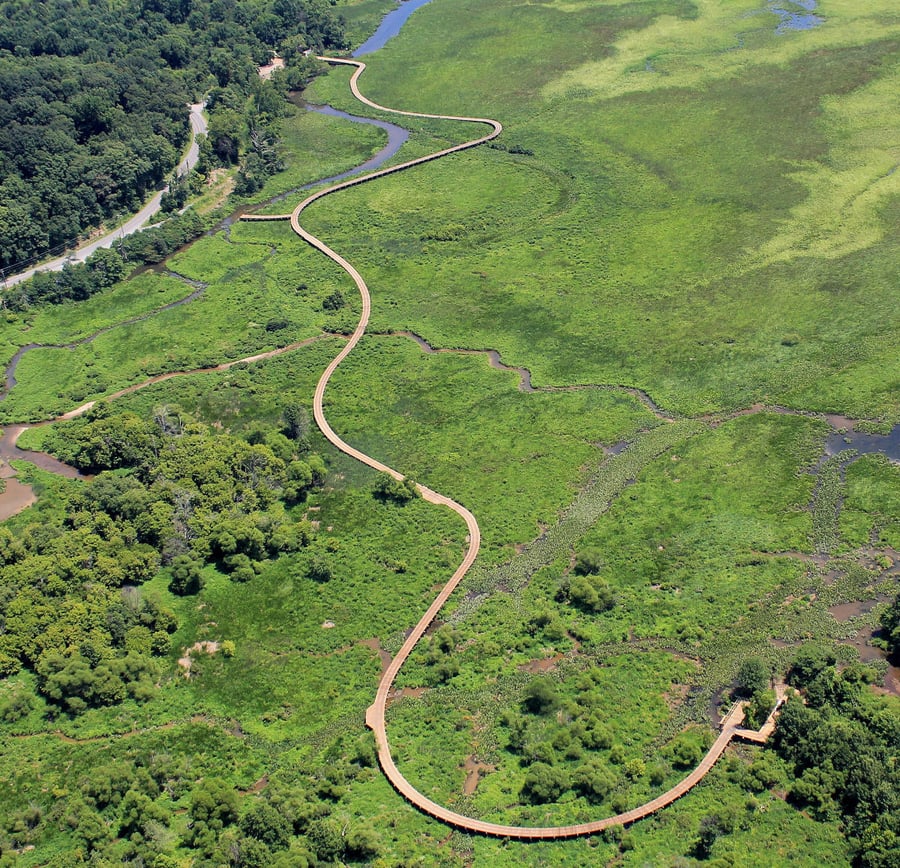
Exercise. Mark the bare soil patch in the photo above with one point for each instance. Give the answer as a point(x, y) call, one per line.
point(542, 664)
point(383, 656)
point(15, 497)
point(205, 646)
point(475, 770)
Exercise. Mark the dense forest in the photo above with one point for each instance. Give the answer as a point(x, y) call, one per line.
point(842, 750)
point(93, 100)
point(182, 496)
point(174, 494)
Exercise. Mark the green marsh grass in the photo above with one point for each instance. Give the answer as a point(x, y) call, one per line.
point(662, 240)
point(870, 512)
point(706, 214)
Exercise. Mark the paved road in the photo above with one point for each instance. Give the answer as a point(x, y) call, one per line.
point(375, 714)
point(198, 126)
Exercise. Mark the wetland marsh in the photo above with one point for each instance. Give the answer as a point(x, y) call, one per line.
point(695, 266)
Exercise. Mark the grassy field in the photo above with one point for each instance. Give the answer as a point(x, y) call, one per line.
point(683, 202)
point(678, 195)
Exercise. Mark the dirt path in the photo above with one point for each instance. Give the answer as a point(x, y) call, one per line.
point(17, 496)
point(375, 714)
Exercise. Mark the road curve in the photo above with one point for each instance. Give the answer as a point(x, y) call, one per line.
point(136, 221)
point(375, 714)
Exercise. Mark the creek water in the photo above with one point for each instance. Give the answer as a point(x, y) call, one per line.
point(17, 495)
point(866, 444)
point(397, 137)
point(794, 19)
point(390, 26)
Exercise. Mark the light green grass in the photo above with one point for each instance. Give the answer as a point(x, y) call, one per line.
point(683, 203)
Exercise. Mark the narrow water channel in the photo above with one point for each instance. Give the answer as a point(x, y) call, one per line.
point(866, 444)
point(17, 495)
point(796, 15)
point(390, 26)
point(397, 137)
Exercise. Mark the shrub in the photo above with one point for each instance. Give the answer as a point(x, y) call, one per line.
point(540, 696)
point(544, 783)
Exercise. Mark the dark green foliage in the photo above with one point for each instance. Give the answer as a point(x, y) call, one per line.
point(544, 783)
point(75, 683)
point(440, 660)
point(712, 826)
point(758, 708)
point(261, 160)
point(809, 662)
point(267, 824)
point(78, 281)
point(299, 479)
point(844, 755)
point(890, 625)
point(69, 601)
point(296, 420)
point(246, 852)
point(138, 813)
point(15, 706)
point(325, 838)
point(97, 137)
point(335, 301)
point(587, 592)
point(102, 440)
point(156, 243)
point(363, 843)
point(214, 806)
point(319, 569)
point(753, 677)
point(176, 196)
point(74, 282)
point(795, 726)
point(92, 102)
point(540, 696)
point(186, 577)
point(88, 827)
point(395, 490)
point(588, 562)
point(686, 750)
point(23, 827)
point(364, 752)
point(594, 781)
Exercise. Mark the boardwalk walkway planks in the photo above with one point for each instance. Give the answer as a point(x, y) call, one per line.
point(375, 715)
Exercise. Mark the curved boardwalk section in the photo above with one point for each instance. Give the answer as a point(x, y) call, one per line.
point(375, 715)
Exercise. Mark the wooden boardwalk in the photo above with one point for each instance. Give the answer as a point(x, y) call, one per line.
point(375, 715)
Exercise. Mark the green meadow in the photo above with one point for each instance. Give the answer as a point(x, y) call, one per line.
point(687, 234)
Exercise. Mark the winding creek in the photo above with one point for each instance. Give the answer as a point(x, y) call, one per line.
point(10, 373)
point(390, 26)
point(17, 495)
point(801, 17)
point(845, 436)
point(397, 137)
point(375, 715)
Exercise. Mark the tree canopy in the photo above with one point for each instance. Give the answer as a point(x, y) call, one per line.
point(168, 493)
point(93, 100)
